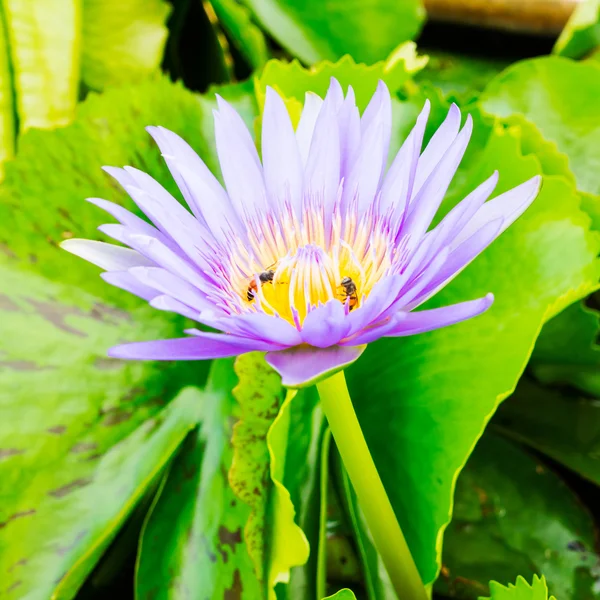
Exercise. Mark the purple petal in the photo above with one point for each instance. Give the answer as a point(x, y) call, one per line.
point(169, 304)
point(106, 256)
point(335, 94)
point(165, 282)
point(304, 366)
point(169, 260)
point(398, 183)
point(325, 325)
point(438, 145)
point(508, 206)
point(322, 175)
point(281, 158)
point(382, 296)
point(127, 282)
point(202, 346)
point(349, 128)
point(459, 216)
point(240, 166)
point(436, 318)
point(458, 260)
point(431, 194)
point(200, 188)
point(379, 113)
point(306, 125)
point(261, 326)
point(364, 176)
point(125, 217)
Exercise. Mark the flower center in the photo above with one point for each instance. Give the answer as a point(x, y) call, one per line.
point(288, 268)
point(303, 280)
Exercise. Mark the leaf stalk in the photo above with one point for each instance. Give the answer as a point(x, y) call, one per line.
point(374, 502)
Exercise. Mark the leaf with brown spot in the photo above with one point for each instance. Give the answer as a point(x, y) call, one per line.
point(259, 394)
point(92, 433)
point(192, 544)
point(514, 516)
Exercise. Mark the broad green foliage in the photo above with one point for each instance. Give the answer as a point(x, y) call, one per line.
point(452, 379)
point(582, 32)
point(43, 195)
point(566, 351)
point(260, 440)
point(324, 30)
point(560, 97)
point(512, 515)
point(292, 80)
point(521, 590)
point(563, 426)
point(45, 45)
point(123, 40)
point(192, 544)
point(344, 594)
point(288, 546)
point(459, 74)
point(236, 19)
point(82, 435)
point(7, 116)
point(48, 48)
point(259, 394)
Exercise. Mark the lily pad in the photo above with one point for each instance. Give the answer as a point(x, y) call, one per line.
point(123, 40)
point(564, 426)
point(521, 590)
point(567, 351)
point(437, 390)
point(514, 516)
point(316, 30)
point(193, 542)
point(559, 96)
point(83, 436)
point(45, 45)
point(582, 31)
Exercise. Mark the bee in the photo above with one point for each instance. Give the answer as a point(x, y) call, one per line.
point(350, 292)
point(264, 277)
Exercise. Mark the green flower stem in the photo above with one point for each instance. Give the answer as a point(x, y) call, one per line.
point(379, 514)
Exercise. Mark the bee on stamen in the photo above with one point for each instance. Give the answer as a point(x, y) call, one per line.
point(264, 277)
point(350, 294)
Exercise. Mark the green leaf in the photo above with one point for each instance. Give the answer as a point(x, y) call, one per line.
point(453, 379)
point(514, 516)
point(459, 73)
point(7, 115)
point(316, 30)
point(344, 594)
point(304, 475)
point(288, 546)
point(566, 351)
point(44, 191)
point(565, 427)
point(92, 432)
point(293, 81)
point(236, 19)
point(521, 590)
point(260, 439)
point(259, 394)
point(559, 97)
point(582, 31)
point(123, 40)
point(45, 44)
point(192, 544)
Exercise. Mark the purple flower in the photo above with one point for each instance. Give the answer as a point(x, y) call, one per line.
point(310, 254)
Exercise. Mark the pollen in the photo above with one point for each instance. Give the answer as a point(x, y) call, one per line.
point(293, 266)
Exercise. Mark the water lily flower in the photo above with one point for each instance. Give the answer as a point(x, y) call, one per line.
point(310, 253)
